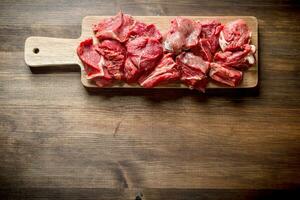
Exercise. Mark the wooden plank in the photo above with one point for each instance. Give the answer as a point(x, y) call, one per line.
point(145, 194)
point(56, 139)
point(57, 52)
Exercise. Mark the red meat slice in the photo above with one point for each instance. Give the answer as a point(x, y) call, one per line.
point(115, 54)
point(117, 27)
point(165, 71)
point(234, 36)
point(224, 75)
point(142, 29)
point(144, 53)
point(203, 49)
point(193, 70)
point(239, 59)
point(210, 31)
point(183, 34)
point(209, 40)
point(94, 63)
point(131, 72)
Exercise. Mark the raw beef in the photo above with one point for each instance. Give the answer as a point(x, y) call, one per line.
point(142, 29)
point(117, 27)
point(210, 31)
point(193, 70)
point(239, 59)
point(143, 55)
point(203, 49)
point(234, 36)
point(94, 63)
point(224, 75)
point(209, 40)
point(165, 71)
point(131, 72)
point(183, 35)
point(133, 51)
point(115, 54)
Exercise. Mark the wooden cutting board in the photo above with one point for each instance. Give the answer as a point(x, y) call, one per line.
point(45, 51)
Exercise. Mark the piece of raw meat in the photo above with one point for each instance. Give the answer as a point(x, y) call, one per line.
point(94, 63)
point(203, 49)
point(225, 75)
point(146, 30)
point(165, 71)
point(209, 39)
point(183, 35)
point(117, 27)
point(115, 54)
point(234, 35)
point(193, 70)
point(143, 54)
point(131, 72)
point(210, 31)
point(241, 60)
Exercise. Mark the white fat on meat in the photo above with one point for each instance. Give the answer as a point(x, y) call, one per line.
point(250, 58)
point(223, 43)
point(253, 48)
point(167, 46)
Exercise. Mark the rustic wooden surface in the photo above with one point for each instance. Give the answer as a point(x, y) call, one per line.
point(59, 141)
point(44, 51)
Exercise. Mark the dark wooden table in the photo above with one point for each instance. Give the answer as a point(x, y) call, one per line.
point(59, 141)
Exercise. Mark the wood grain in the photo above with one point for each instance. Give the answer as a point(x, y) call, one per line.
point(59, 141)
point(149, 194)
point(44, 51)
point(59, 52)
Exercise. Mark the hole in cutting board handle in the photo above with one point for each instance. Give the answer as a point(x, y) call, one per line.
point(36, 50)
point(139, 196)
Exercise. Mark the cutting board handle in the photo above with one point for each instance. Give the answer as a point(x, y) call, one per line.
point(45, 51)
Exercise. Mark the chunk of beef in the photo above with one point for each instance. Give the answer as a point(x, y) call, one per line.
point(183, 34)
point(203, 49)
point(225, 75)
point(146, 30)
point(115, 54)
point(210, 31)
point(165, 71)
point(144, 53)
point(117, 27)
point(94, 64)
point(131, 71)
point(193, 70)
point(242, 59)
point(209, 40)
point(234, 35)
